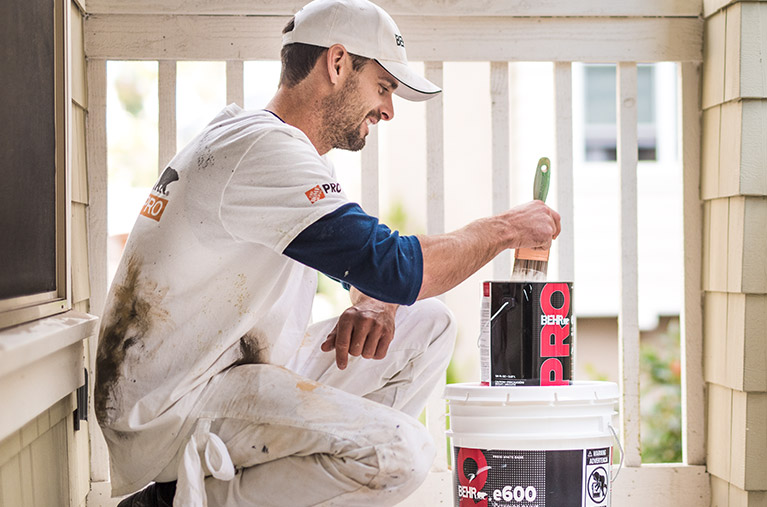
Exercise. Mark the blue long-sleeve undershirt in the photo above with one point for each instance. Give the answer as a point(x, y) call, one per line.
point(353, 247)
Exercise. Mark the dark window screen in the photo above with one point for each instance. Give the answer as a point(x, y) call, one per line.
point(27, 148)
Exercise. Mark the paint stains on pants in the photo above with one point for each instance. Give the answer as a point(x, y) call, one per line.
point(317, 435)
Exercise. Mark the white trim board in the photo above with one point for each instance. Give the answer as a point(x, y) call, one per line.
point(151, 37)
point(397, 8)
point(40, 363)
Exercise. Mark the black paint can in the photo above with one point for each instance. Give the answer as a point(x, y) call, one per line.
point(527, 333)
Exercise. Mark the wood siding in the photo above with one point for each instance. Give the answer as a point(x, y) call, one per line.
point(734, 191)
point(35, 466)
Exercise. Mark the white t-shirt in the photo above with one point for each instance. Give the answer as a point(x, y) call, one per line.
point(203, 283)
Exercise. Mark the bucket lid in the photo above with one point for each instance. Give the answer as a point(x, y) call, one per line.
point(577, 391)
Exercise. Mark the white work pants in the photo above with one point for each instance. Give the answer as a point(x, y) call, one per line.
point(350, 438)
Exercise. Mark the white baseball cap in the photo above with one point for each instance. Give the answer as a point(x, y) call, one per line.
point(364, 29)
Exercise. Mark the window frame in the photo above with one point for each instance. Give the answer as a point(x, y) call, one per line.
point(26, 308)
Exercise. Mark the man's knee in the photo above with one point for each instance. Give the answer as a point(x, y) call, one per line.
point(405, 461)
point(433, 321)
point(435, 311)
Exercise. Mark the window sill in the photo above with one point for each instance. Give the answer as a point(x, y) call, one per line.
point(40, 363)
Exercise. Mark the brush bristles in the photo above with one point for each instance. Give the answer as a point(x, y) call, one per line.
point(529, 271)
point(530, 265)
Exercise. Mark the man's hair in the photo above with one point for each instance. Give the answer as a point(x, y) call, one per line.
point(298, 59)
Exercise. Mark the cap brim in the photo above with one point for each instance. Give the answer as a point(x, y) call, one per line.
point(411, 85)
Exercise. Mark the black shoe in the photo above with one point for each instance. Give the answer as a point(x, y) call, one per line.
point(157, 494)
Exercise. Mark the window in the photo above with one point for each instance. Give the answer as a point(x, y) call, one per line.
point(600, 118)
point(33, 196)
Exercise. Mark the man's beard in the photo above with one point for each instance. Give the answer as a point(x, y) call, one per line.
point(342, 112)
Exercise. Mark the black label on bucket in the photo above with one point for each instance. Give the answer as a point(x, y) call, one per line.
point(527, 332)
point(554, 478)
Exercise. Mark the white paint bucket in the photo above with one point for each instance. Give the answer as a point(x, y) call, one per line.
point(547, 446)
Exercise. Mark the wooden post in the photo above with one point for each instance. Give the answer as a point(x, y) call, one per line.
point(435, 224)
point(628, 318)
point(235, 86)
point(693, 398)
point(96, 140)
point(499, 97)
point(166, 95)
point(563, 171)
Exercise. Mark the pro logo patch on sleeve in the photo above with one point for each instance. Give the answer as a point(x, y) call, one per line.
point(154, 207)
point(315, 194)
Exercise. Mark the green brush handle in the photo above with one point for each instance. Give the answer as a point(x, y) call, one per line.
point(542, 178)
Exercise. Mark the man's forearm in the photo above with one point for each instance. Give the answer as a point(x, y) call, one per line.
point(449, 259)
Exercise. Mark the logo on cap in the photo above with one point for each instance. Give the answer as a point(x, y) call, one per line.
point(399, 40)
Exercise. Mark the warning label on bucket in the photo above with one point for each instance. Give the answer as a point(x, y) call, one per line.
point(554, 478)
point(596, 477)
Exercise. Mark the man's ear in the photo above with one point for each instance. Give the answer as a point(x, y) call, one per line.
point(337, 61)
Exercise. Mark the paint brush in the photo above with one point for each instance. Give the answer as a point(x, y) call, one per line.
point(530, 265)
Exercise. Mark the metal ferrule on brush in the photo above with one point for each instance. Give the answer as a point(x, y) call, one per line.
point(531, 254)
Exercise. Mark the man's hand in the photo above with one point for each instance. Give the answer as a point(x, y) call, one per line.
point(534, 225)
point(365, 329)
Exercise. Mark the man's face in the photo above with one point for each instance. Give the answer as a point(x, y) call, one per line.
point(363, 99)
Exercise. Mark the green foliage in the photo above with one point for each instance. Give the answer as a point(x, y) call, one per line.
point(130, 91)
point(398, 218)
point(593, 374)
point(661, 399)
point(454, 374)
point(131, 131)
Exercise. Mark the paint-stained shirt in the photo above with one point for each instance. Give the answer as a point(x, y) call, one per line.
point(203, 283)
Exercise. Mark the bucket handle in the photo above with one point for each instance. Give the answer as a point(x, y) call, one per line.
point(482, 330)
point(620, 447)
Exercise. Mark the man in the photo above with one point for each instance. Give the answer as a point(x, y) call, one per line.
point(209, 381)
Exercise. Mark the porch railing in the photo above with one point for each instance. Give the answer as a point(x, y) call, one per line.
point(622, 32)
